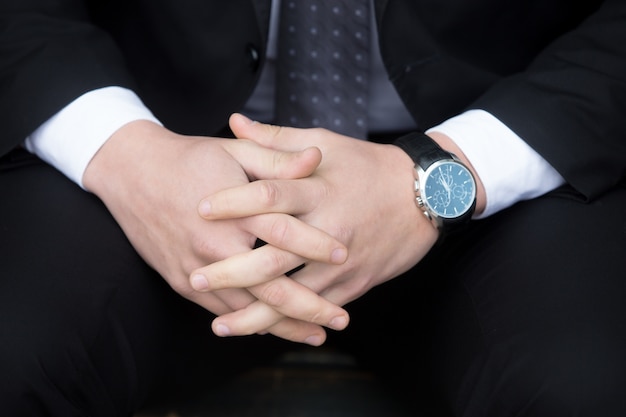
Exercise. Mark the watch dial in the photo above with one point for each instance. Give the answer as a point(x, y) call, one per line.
point(449, 189)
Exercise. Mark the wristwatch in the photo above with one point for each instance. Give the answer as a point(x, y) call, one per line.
point(445, 189)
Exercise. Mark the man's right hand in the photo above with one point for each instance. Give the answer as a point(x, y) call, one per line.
point(152, 179)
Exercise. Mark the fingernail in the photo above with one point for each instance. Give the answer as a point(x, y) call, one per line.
point(339, 322)
point(199, 282)
point(338, 256)
point(204, 208)
point(314, 340)
point(222, 330)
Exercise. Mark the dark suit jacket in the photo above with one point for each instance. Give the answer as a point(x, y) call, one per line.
point(552, 70)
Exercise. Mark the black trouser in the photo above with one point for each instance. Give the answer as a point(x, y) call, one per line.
point(522, 314)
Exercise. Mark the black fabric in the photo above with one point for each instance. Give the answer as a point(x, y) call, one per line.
point(546, 283)
point(553, 71)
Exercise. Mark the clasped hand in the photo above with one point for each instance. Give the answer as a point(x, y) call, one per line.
point(151, 180)
point(361, 194)
point(341, 206)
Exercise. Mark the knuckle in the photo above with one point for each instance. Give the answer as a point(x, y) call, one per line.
point(201, 247)
point(315, 317)
point(274, 263)
point(342, 233)
point(274, 294)
point(268, 193)
point(181, 287)
point(206, 250)
point(279, 230)
point(279, 161)
point(323, 245)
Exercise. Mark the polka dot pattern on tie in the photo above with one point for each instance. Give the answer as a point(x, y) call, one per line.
point(323, 65)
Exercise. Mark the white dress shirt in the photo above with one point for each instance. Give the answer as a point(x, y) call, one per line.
point(509, 169)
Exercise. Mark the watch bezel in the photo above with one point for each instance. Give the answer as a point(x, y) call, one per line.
point(421, 177)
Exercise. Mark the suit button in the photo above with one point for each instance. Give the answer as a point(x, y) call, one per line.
point(254, 57)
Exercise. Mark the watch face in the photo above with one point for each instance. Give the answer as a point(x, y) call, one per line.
point(449, 189)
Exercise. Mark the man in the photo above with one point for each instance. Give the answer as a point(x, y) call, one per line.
point(524, 306)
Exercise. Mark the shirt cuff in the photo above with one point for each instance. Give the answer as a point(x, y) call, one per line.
point(72, 137)
point(508, 167)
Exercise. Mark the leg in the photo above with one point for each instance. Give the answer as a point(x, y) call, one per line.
point(523, 314)
point(540, 289)
point(87, 327)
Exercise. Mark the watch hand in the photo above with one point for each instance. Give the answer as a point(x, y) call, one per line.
point(444, 181)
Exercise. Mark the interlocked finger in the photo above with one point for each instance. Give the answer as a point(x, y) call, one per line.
point(245, 269)
point(264, 196)
point(278, 298)
point(291, 234)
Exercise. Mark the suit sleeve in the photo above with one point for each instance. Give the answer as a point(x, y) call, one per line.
point(50, 54)
point(570, 103)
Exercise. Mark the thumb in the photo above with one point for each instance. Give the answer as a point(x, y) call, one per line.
point(271, 136)
point(262, 162)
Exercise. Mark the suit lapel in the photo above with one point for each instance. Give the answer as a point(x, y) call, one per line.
point(263, 8)
point(379, 8)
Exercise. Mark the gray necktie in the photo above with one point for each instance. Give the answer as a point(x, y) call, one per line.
point(323, 65)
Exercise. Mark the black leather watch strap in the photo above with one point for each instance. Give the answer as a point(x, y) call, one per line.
point(422, 149)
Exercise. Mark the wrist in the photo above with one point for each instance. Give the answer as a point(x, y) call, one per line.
point(119, 159)
point(444, 187)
